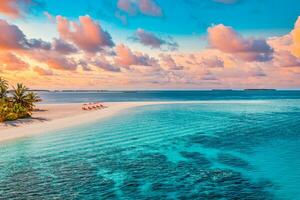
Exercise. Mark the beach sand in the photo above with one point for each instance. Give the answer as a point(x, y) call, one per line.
point(50, 117)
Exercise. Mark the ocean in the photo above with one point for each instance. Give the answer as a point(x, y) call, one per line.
point(230, 145)
point(121, 96)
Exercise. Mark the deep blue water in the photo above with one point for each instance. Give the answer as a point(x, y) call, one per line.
point(60, 97)
point(244, 149)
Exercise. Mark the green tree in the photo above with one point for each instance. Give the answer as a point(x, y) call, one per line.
point(20, 111)
point(31, 99)
point(3, 88)
point(19, 105)
point(20, 95)
point(4, 111)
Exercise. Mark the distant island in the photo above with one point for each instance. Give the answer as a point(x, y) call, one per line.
point(263, 89)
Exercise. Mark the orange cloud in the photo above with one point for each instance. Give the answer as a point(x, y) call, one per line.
point(87, 34)
point(169, 63)
point(125, 57)
point(223, 66)
point(227, 40)
point(42, 71)
point(296, 38)
point(212, 62)
point(11, 7)
point(11, 62)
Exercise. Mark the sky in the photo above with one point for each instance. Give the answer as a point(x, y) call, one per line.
point(150, 44)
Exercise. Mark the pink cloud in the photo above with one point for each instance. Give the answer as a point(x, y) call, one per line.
point(285, 59)
point(146, 7)
point(225, 39)
point(12, 8)
point(296, 38)
point(125, 57)
point(63, 47)
point(149, 7)
point(209, 76)
point(54, 60)
point(257, 72)
point(87, 34)
point(127, 6)
point(106, 66)
point(11, 36)
point(11, 62)
point(43, 72)
point(212, 62)
point(169, 63)
point(150, 39)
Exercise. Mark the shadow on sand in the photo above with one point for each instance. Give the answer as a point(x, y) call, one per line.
point(29, 120)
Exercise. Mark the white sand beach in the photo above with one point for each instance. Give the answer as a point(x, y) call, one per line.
point(50, 117)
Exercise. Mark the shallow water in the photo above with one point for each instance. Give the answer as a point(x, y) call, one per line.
point(117, 96)
point(246, 150)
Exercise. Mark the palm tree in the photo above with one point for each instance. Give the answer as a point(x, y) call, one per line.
point(20, 95)
point(19, 105)
point(3, 88)
point(32, 98)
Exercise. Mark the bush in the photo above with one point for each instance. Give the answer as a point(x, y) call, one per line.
point(11, 117)
point(19, 104)
point(4, 111)
point(20, 111)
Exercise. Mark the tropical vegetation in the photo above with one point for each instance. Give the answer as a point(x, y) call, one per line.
point(16, 103)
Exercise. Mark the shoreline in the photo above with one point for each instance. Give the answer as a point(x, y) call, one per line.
point(51, 117)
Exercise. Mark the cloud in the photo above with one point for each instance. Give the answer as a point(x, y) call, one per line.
point(61, 63)
point(212, 62)
point(146, 7)
point(105, 65)
point(169, 63)
point(208, 76)
point(13, 8)
point(38, 44)
point(11, 36)
point(63, 47)
point(285, 59)
point(11, 62)
point(87, 34)
point(42, 71)
point(150, 39)
point(125, 57)
point(296, 38)
point(149, 7)
point(287, 48)
point(225, 39)
point(55, 60)
point(127, 6)
point(257, 72)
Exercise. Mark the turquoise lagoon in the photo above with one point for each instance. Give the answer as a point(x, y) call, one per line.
point(207, 150)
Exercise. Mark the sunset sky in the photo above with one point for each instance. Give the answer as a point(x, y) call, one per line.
point(150, 44)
